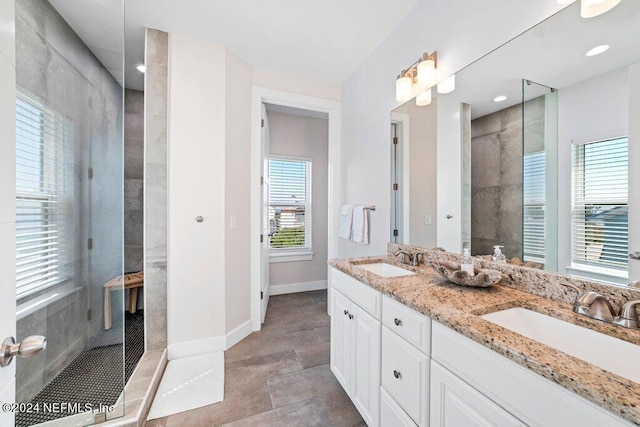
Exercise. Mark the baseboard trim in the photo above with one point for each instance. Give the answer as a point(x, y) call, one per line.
point(238, 334)
point(291, 288)
point(196, 347)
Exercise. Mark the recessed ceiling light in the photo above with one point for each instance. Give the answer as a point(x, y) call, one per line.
point(597, 50)
point(141, 67)
point(499, 98)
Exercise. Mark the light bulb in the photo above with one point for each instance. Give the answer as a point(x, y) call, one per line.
point(424, 98)
point(593, 8)
point(447, 85)
point(403, 88)
point(426, 73)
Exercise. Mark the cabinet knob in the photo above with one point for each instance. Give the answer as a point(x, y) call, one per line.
point(397, 321)
point(350, 316)
point(346, 312)
point(396, 374)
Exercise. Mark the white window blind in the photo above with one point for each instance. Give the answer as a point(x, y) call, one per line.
point(599, 208)
point(290, 203)
point(534, 207)
point(40, 178)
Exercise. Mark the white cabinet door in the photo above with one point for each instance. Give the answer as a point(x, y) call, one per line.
point(366, 379)
point(341, 353)
point(455, 403)
point(391, 414)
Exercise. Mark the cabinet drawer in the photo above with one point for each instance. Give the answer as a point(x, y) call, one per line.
point(405, 375)
point(363, 295)
point(409, 324)
point(391, 414)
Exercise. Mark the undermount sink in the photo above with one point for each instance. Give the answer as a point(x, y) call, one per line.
point(609, 353)
point(386, 270)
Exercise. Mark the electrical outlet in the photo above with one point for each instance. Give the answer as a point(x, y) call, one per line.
point(427, 220)
point(233, 222)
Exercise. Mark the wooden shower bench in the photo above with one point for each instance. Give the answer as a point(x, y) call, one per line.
point(132, 281)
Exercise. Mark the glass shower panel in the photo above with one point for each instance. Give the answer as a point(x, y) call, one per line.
point(69, 185)
point(540, 193)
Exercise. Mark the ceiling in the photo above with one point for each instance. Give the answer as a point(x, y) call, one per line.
point(551, 54)
point(322, 41)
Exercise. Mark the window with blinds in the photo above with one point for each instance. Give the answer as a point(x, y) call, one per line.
point(290, 203)
point(599, 205)
point(534, 207)
point(40, 221)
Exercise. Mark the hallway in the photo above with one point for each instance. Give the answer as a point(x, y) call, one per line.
point(279, 376)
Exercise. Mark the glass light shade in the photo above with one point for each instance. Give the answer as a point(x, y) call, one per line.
point(426, 74)
point(447, 85)
point(403, 89)
point(592, 8)
point(423, 98)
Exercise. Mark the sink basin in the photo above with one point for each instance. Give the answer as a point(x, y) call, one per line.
point(386, 270)
point(609, 353)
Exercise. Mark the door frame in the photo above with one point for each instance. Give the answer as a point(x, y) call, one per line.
point(262, 95)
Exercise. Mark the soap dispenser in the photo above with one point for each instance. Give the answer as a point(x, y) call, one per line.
point(498, 256)
point(467, 262)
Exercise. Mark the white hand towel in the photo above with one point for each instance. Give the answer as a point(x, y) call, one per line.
point(346, 218)
point(360, 225)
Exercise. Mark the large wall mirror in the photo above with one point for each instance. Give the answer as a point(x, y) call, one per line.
point(548, 137)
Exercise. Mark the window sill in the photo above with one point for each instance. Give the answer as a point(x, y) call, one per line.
point(598, 274)
point(290, 256)
point(27, 306)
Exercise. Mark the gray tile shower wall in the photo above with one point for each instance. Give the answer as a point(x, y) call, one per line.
point(54, 66)
point(133, 179)
point(155, 181)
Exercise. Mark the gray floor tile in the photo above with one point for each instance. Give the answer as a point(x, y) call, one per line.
point(301, 385)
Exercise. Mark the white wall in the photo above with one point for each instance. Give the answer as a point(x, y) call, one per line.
point(299, 136)
point(296, 85)
point(590, 110)
point(461, 31)
point(197, 147)
point(237, 184)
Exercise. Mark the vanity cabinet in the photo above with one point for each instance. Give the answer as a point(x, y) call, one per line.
point(472, 382)
point(355, 345)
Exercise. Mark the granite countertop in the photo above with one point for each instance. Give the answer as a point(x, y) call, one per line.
point(460, 309)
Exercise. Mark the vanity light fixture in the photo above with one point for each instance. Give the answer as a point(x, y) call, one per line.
point(593, 8)
point(500, 98)
point(424, 98)
point(417, 79)
point(404, 86)
point(447, 85)
point(141, 67)
point(597, 50)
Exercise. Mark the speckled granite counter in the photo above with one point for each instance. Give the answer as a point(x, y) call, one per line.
point(460, 309)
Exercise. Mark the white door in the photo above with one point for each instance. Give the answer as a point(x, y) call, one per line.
point(634, 172)
point(7, 206)
point(265, 234)
point(366, 378)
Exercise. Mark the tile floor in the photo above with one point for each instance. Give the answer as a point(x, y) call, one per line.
point(279, 376)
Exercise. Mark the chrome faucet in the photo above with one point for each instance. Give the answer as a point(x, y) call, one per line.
point(405, 257)
point(597, 306)
point(409, 258)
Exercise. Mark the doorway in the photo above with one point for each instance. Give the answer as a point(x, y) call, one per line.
point(290, 217)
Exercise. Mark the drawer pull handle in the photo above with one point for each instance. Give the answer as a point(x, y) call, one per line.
point(396, 374)
point(346, 312)
point(397, 321)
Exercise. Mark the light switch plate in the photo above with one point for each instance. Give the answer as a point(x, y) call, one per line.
point(427, 220)
point(233, 222)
